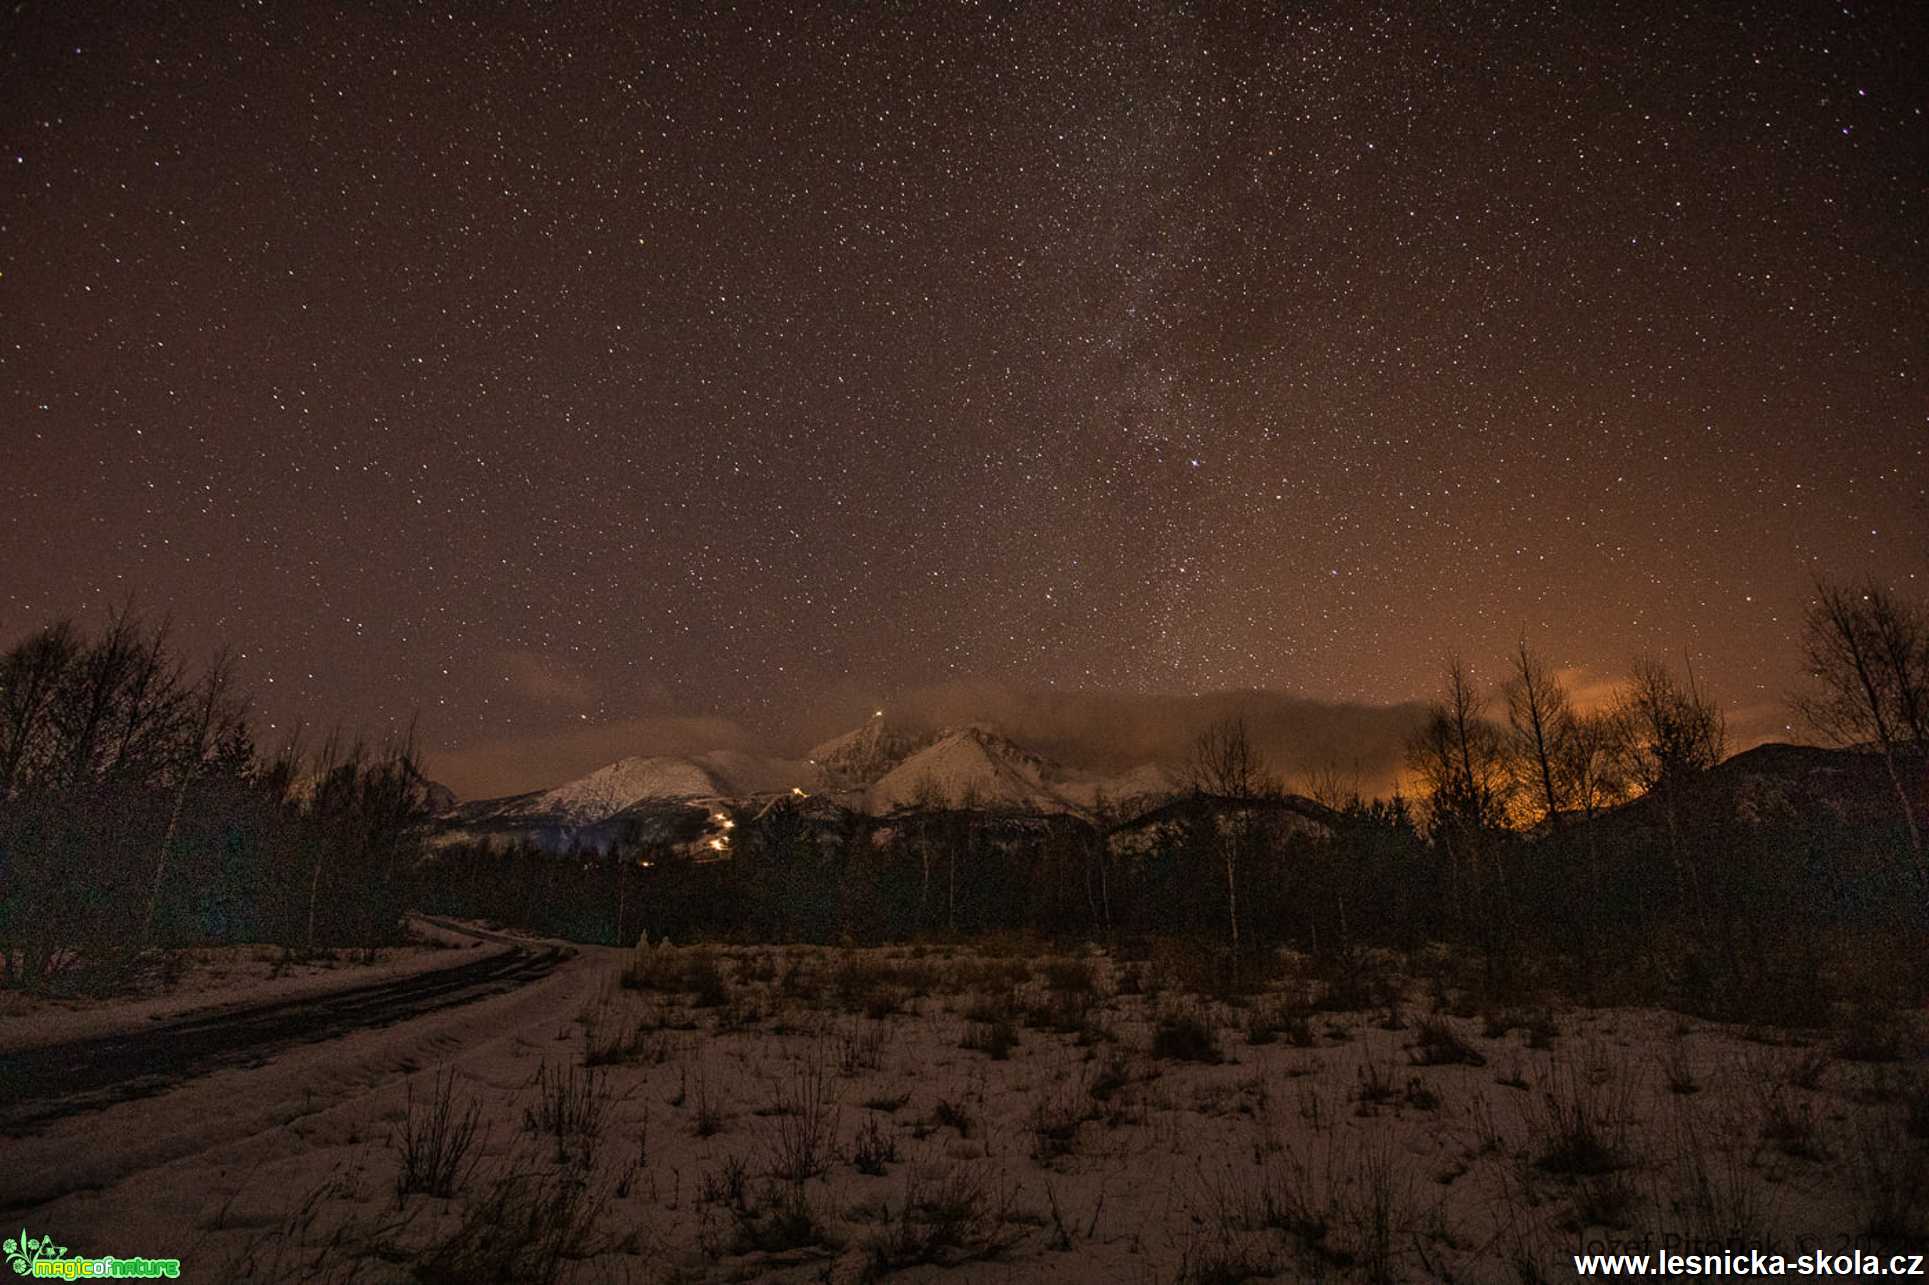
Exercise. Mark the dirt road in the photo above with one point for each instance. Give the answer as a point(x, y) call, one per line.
point(38, 1085)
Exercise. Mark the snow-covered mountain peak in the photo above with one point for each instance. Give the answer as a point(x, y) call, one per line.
point(972, 765)
point(861, 755)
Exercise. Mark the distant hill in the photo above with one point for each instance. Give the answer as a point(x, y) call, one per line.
point(1775, 783)
point(876, 768)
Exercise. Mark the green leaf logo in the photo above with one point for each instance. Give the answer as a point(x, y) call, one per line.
point(23, 1253)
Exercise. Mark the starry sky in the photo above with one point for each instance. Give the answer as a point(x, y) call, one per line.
point(566, 373)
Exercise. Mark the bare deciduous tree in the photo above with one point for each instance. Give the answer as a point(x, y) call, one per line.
point(1224, 762)
point(1868, 655)
point(1331, 786)
point(1670, 733)
point(1540, 721)
point(31, 676)
point(215, 717)
point(1461, 755)
point(1591, 762)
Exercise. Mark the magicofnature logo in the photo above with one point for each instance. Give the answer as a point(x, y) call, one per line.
point(40, 1257)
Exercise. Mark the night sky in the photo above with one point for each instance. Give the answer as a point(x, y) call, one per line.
point(570, 372)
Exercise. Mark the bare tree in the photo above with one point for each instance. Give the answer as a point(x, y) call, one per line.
point(1670, 734)
point(1225, 763)
point(970, 801)
point(1331, 786)
point(927, 801)
point(1461, 755)
point(31, 677)
point(1901, 632)
point(1868, 656)
point(1540, 721)
point(1099, 856)
point(1590, 763)
point(214, 715)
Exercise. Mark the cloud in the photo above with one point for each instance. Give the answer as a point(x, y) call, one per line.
point(1588, 690)
point(1100, 731)
point(515, 764)
point(1363, 746)
point(1750, 723)
point(1113, 731)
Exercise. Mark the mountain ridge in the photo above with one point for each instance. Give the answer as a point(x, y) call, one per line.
point(875, 768)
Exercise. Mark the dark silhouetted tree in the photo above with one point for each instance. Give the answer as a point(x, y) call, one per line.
point(1868, 657)
point(1671, 732)
point(1224, 762)
point(1540, 721)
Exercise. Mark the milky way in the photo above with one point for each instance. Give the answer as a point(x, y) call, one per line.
point(541, 366)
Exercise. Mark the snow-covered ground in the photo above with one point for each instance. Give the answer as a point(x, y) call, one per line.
point(216, 977)
point(806, 1113)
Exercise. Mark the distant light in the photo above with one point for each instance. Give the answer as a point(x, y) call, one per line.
point(879, 714)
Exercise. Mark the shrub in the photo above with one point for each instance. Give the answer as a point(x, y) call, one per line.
point(1439, 1043)
point(708, 1120)
point(705, 981)
point(569, 1108)
point(1376, 1086)
point(806, 1117)
point(1891, 1179)
point(1677, 1071)
point(434, 1142)
point(995, 1039)
point(529, 1221)
point(874, 1148)
point(953, 1115)
point(1183, 1037)
point(624, 1046)
point(782, 1220)
point(1113, 1076)
point(1071, 976)
point(948, 1218)
point(1606, 1200)
point(1266, 1023)
point(654, 966)
point(729, 1185)
point(863, 1049)
point(1581, 1132)
point(1055, 1119)
point(1790, 1125)
point(1420, 1096)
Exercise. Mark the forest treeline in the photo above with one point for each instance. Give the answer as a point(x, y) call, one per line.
point(137, 813)
point(1598, 851)
point(1601, 852)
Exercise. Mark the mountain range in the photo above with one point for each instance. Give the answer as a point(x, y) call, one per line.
point(876, 768)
